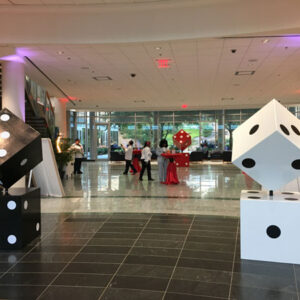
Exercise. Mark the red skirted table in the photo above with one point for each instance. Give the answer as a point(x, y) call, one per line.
point(171, 170)
point(135, 161)
point(183, 160)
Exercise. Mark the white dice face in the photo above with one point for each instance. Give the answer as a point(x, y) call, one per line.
point(267, 146)
point(270, 226)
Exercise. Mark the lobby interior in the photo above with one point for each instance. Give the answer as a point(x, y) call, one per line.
point(151, 67)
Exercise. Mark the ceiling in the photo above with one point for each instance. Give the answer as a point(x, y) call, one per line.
point(202, 69)
point(80, 2)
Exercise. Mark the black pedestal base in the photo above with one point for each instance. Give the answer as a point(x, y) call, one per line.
point(20, 217)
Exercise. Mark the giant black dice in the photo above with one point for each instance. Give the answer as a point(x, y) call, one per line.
point(20, 148)
point(20, 217)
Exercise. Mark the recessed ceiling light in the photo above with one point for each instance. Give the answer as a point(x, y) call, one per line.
point(158, 48)
point(241, 73)
point(265, 41)
point(227, 98)
point(102, 78)
point(60, 52)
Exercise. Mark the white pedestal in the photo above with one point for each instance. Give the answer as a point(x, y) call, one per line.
point(270, 226)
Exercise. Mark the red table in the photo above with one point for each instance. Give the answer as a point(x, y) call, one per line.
point(171, 170)
point(135, 161)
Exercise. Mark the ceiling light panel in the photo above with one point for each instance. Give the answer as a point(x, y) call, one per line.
point(102, 78)
point(244, 73)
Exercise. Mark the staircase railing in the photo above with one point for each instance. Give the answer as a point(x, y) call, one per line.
point(40, 103)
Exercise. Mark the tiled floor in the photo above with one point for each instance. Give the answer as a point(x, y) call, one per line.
point(116, 238)
point(141, 256)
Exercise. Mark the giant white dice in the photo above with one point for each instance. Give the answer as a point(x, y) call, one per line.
point(270, 226)
point(267, 146)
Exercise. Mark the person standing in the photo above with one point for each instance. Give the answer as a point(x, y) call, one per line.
point(162, 162)
point(77, 148)
point(146, 161)
point(128, 158)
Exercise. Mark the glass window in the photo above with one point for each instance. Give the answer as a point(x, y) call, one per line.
point(193, 130)
point(102, 117)
point(122, 133)
point(122, 117)
point(208, 134)
point(214, 127)
point(229, 128)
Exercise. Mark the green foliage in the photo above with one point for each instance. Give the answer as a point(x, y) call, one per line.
point(101, 151)
point(207, 131)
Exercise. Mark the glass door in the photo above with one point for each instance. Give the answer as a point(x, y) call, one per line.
point(103, 141)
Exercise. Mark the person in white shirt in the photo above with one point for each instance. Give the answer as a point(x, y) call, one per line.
point(146, 161)
point(128, 158)
point(77, 148)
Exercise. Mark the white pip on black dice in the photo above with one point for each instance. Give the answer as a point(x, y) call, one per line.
point(270, 226)
point(267, 146)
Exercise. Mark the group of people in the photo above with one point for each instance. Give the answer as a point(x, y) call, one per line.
point(146, 155)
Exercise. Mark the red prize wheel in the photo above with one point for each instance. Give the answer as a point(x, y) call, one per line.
point(182, 139)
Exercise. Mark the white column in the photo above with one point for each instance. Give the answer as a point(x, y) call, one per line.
point(60, 115)
point(13, 93)
point(13, 87)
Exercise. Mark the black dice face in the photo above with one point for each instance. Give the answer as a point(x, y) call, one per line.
point(20, 217)
point(20, 148)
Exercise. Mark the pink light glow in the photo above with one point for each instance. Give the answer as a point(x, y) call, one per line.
point(184, 106)
point(13, 57)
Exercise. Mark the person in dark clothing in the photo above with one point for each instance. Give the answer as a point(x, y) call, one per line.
point(146, 161)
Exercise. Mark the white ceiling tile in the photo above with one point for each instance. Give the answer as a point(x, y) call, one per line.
point(201, 71)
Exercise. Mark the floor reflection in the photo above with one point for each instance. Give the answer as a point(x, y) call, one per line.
point(100, 179)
